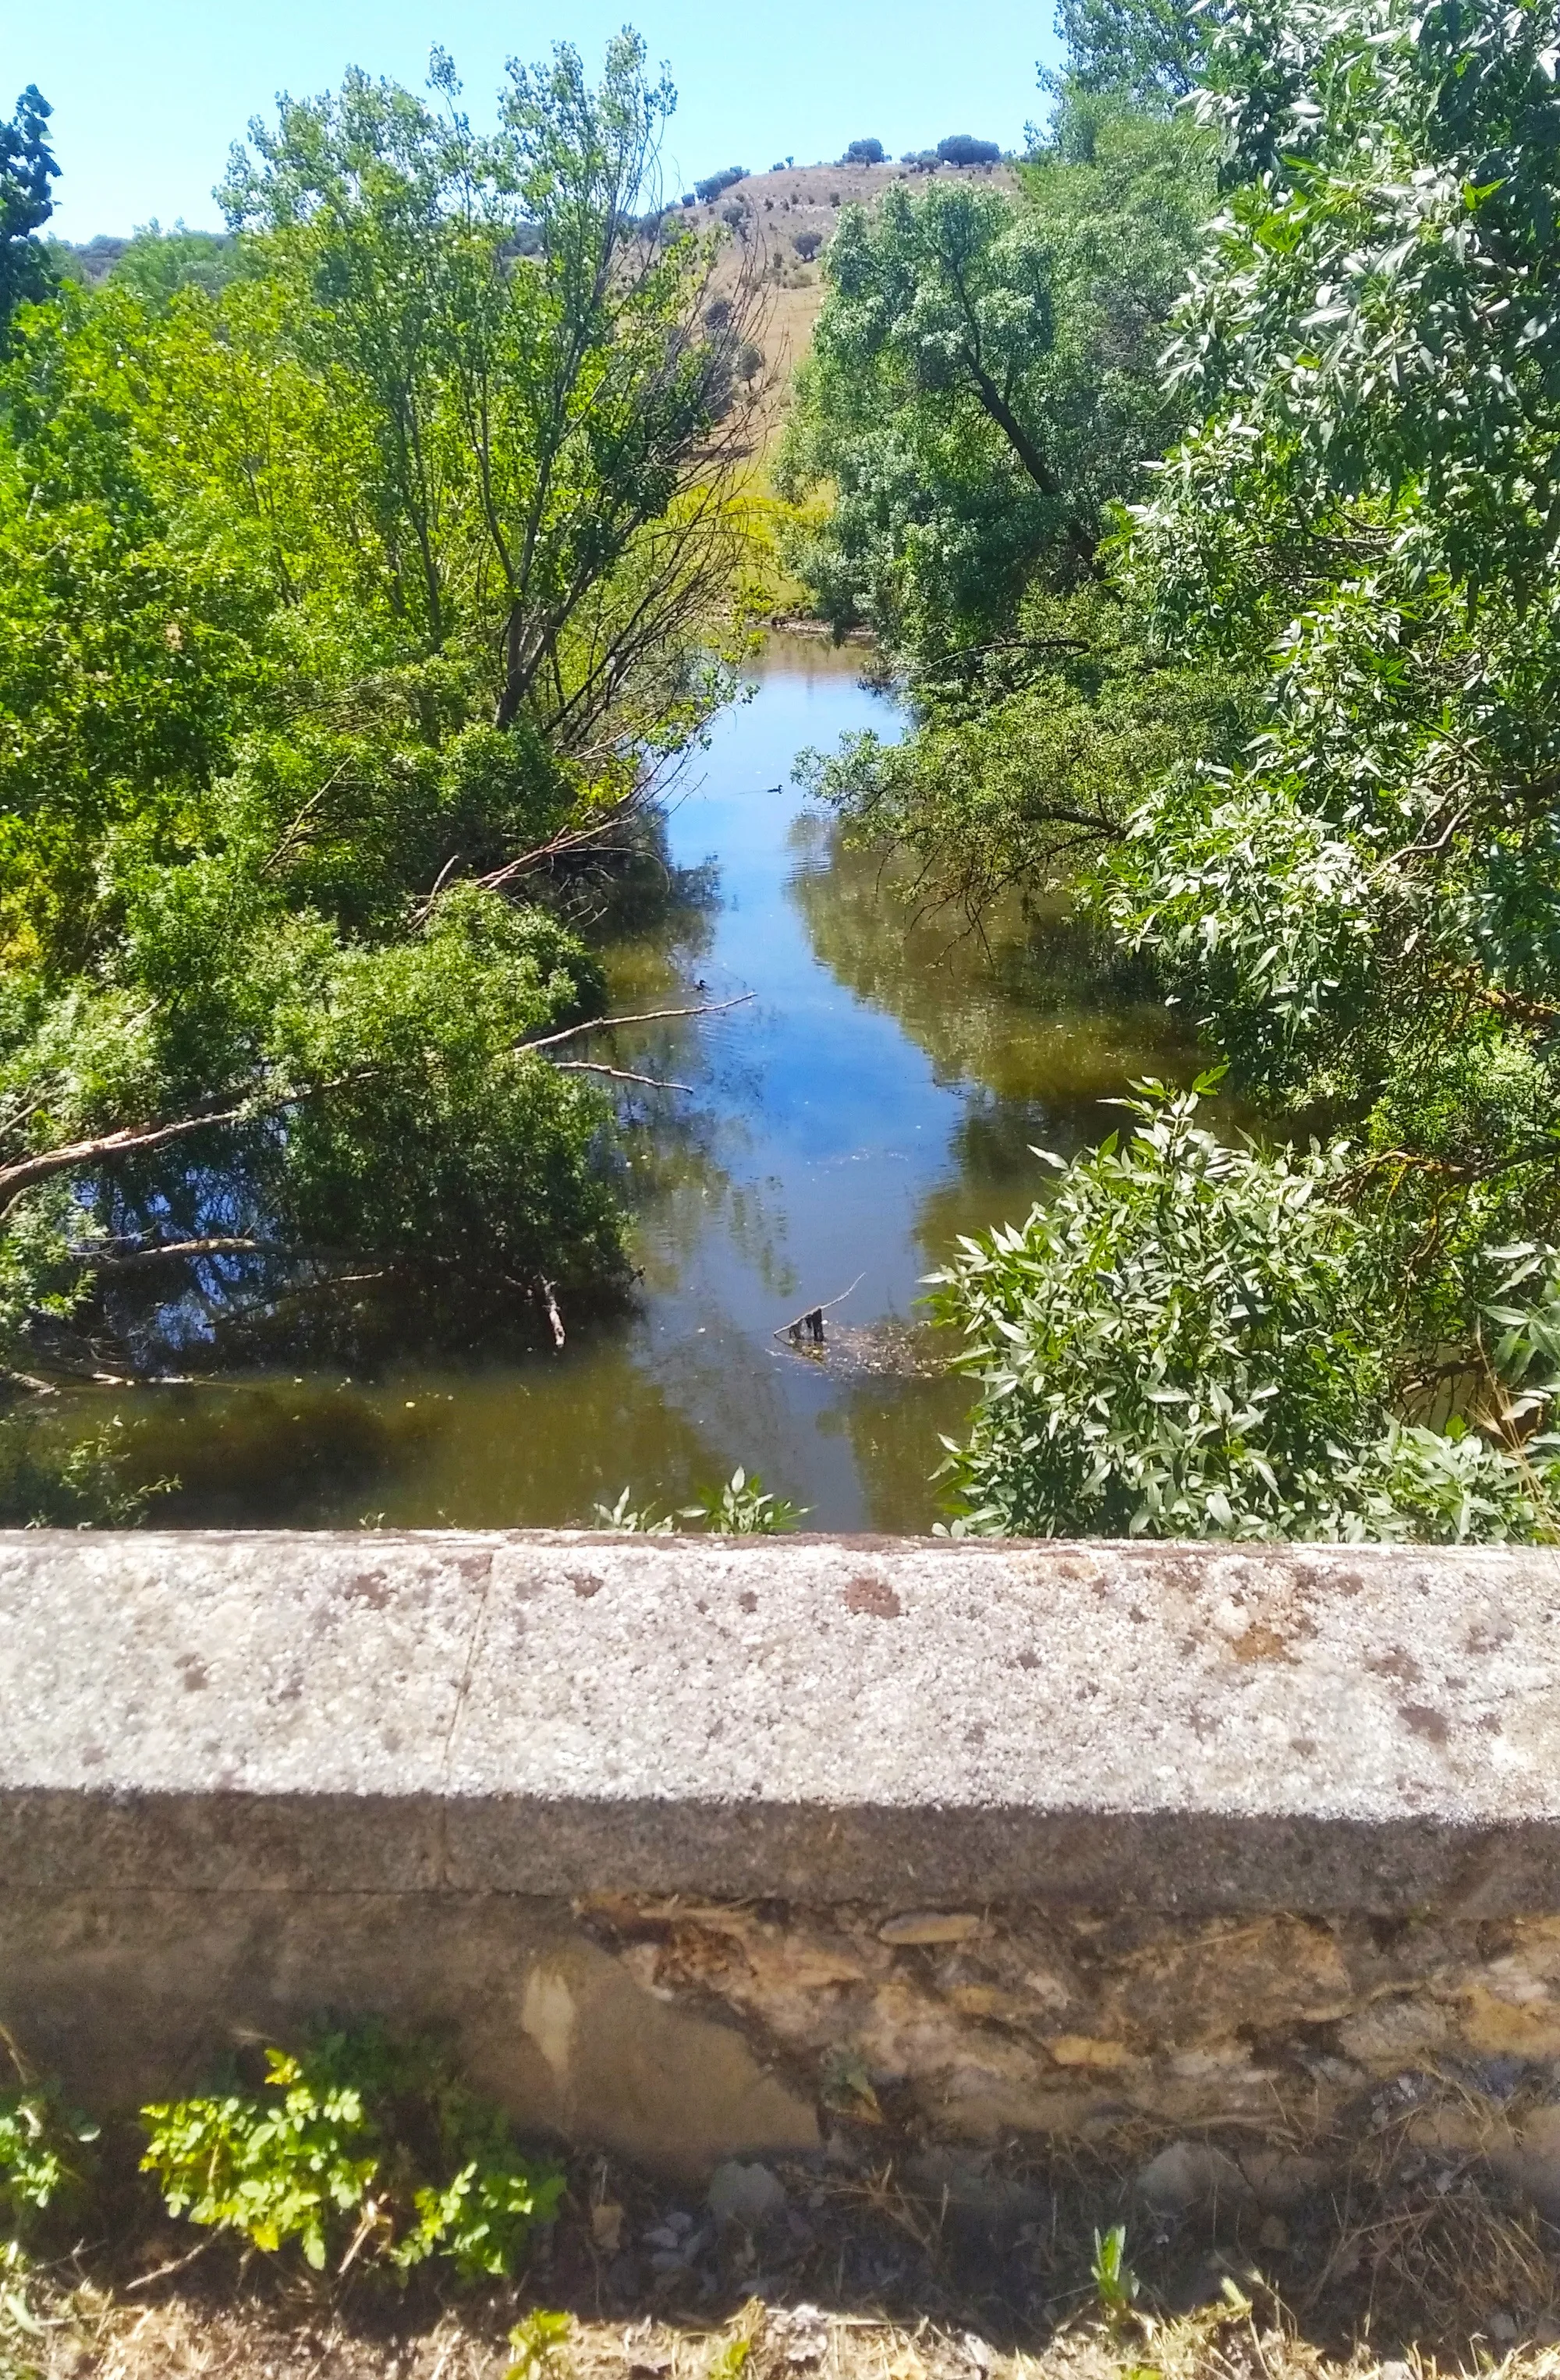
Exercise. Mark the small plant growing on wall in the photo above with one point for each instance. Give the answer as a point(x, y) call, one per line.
point(739, 1506)
point(357, 2150)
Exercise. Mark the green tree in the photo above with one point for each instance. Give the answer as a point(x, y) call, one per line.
point(544, 437)
point(337, 601)
point(984, 384)
point(1363, 905)
point(985, 390)
point(26, 167)
point(1031, 754)
point(1372, 495)
point(158, 263)
point(1152, 53)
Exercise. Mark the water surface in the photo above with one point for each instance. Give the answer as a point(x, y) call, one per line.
point(878, 1094)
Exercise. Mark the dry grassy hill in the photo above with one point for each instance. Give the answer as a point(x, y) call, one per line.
point(768, 213)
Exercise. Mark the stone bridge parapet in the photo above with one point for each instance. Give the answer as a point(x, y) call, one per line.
point(703, 1845)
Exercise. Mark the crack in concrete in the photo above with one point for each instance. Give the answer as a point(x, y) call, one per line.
point(462, 1695)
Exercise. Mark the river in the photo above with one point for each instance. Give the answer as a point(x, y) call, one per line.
point(878, 1093)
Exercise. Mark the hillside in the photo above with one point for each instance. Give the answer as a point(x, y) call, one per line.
point(769, 213)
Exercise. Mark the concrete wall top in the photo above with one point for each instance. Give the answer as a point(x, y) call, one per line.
point(1166, 1726)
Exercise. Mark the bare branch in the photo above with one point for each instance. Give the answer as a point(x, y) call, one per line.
point(646, 1016)
point(547, 1292)
point(618, 1075)
point(127, 1141)
point(131, 1139)
point(220, 1245)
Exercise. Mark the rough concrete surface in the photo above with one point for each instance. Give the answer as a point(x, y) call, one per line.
point(1182, 1728)
point(133, 1995)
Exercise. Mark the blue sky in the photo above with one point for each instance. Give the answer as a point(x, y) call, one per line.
point(148, 93)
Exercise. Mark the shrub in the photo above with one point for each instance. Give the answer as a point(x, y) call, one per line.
point(807, 244)
point(51, 1479)
point(358, 2148)
point(1183, 1342)
point(41, 2162)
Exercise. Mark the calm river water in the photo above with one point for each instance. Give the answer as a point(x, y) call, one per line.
point(878, 1094)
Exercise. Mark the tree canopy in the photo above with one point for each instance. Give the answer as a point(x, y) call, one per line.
point(26, 168)
point(345, 598)
point(1326, 625)
point(984, 383)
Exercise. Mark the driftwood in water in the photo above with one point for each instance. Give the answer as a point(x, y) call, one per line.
point(812, 1320)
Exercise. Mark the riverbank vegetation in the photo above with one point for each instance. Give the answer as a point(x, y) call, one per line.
point(1255, 647)
point(361, 576)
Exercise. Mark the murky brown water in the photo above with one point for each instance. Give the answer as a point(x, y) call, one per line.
point(878, 1094)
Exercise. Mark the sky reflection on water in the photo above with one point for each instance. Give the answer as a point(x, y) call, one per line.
point(878, 1093)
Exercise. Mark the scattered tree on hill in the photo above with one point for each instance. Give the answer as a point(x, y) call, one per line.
point(159, 263)
point(962, 148)
point(864, 152)
point(807, 244)
point(709, 190)
point(26, 168)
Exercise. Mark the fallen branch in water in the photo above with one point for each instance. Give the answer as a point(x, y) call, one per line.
point(129, 1140)
point(25, 1172)
point(811, 1318)
point(618, 1074)
point(646, 1016)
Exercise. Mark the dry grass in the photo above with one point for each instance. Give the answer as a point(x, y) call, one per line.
point(93, 2333)
point(776, 208)
point(893, 2260)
